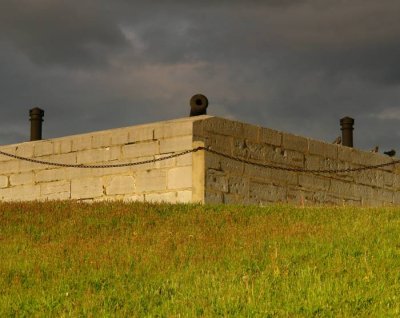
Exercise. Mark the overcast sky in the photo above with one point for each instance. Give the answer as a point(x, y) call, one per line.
point(292, 65)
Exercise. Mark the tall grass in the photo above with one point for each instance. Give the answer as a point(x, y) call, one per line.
point(149, 260)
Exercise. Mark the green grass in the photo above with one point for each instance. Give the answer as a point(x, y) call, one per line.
point(148, 260)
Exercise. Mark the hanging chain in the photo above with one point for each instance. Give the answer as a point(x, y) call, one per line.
point(207, 149)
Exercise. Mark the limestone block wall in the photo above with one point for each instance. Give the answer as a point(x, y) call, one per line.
point(169, 180)
point(229, 181)
point(200, 176)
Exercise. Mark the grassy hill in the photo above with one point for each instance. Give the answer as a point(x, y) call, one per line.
point(116, 259)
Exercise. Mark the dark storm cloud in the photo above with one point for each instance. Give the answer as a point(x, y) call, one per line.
point(291, 65)
point(60, 32)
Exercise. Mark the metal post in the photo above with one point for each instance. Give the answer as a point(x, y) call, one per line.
point(36, 117)
point(347, 131)
point(198, 105)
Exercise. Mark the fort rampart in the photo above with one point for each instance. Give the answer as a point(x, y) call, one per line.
point(201, 176)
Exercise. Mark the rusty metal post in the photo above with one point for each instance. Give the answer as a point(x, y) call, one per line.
point(198, 105)
point(347, 131)
point(36, 117)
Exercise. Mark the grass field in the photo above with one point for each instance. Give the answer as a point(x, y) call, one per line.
point(148, 260)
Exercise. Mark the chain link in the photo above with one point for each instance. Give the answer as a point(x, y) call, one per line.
point(331, 171)
point(117, 165)
point(178, 154)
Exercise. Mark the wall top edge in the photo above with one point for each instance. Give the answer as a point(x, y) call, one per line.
point(309, 140)
point(193, 119)
point(93, 133)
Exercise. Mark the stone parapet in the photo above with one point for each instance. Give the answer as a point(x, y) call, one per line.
point(169, 180)
point(200, 176)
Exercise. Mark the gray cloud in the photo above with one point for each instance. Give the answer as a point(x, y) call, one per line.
point(290, 65)
point(61, 33)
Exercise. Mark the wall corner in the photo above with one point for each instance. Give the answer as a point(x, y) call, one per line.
point(198, 173)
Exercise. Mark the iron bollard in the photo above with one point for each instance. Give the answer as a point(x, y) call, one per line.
point(36, 117)
point(347, 131)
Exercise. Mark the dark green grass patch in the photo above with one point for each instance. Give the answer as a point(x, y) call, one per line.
point(161, 260)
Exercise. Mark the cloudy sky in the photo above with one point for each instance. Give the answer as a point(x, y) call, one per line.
point(292, 65)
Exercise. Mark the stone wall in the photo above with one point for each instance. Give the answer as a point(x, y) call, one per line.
point(199, 176)
point(229, 181)
point(169, 180)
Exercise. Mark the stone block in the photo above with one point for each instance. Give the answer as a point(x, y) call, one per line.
point(67, 158)
point(175, 144)
point(270, 137)
point(388, 179)
point(171, 130)
point(121, 185)
point(184, 196)
point(249, 150)
point(323, 149)
point(302, 196)
point(312, 182)
point(120, 137)
point(93, 156)
point(86, 188)
point(22, 178)
point(133, 198)
point(293, 158)
point(169, 197)
point(267, 192)
point(222, 126)
point(25, 150)
point(396, 198)
point(294, 142)
point(115, 152)
point(396, 182)
point(141, 149)
point(313, 162)
point(213, 197)
point(180, 177)
point(367, 177)
point(20, 193)
point(51, 188)
point(341, 188)
point(364, 192)
point(82, 142)
point(3, 182)
point(267, 175)
point(220, 143)
point(26, 166)
point(151, 180)
point(135, 164)
point(101, 140)
point(51, 175)
point(141, 133)
point(185, 160)
point(62, 146)
point(232, 198)
point(43, 148)
point(362, 158)
point(385, 195)
point(217, 180)
point(251, 133)
point(56, 196)
point(8, 150)
point(9, 167)
point(238, 185)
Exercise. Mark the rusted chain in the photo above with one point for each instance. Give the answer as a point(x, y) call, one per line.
point(270, 166)
point(210, 150)
point(117, 165)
